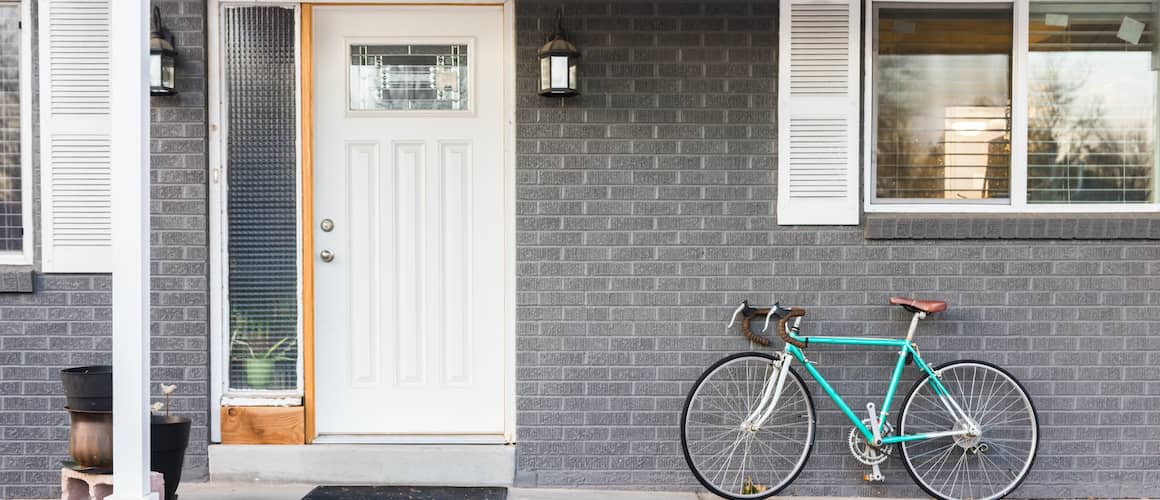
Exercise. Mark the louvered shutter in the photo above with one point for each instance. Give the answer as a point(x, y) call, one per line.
point(818, 112)
point(75, 125)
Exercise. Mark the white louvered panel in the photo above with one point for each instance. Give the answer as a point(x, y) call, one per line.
point(81, 188)
point(818, 112)
point(75, 135)
point(78, 34)
point(819, 157)
point(819, 48)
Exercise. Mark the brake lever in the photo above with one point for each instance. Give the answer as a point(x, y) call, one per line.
point(744, 305)
point(772, 310)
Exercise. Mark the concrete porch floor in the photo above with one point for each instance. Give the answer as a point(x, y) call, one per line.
point(262, 490)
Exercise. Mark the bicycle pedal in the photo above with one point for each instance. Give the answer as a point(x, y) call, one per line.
point(874, 476)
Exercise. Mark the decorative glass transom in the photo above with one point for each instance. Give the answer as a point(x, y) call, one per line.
point(408, 77)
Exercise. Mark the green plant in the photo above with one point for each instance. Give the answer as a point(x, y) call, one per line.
point(258, 343)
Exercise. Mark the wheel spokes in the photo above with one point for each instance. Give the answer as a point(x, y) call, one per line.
point(989, 465)
point(728, 458)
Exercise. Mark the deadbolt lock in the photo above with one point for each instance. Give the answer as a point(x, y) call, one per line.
point(327, 225)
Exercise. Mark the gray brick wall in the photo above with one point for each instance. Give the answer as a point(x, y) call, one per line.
point(645, 215)
point(65, 322)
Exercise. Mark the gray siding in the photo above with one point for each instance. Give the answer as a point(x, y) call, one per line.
point(65, 322)
point(645, 214)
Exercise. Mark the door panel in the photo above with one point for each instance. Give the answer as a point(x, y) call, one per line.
point(409, 334)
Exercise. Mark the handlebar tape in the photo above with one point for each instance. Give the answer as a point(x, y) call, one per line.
point(749, 333)
point(781, 329)
point(783, 332)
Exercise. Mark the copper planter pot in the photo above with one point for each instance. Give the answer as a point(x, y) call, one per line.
point(90, 438)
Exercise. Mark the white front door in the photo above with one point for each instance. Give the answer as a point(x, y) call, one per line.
point(409, 220)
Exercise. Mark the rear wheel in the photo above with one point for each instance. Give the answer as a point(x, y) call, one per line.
point(987, 466)
point(739, 463)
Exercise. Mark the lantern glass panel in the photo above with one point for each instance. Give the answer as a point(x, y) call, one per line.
point(572, 81)
point(545, 73)
point(560, 72)
point(155, 70)
point(167, 72)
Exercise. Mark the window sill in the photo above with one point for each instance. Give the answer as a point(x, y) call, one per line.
point(15, 279)
point(884, 226)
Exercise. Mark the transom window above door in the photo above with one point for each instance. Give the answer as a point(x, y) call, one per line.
point(408, 77)
point(1011, 106)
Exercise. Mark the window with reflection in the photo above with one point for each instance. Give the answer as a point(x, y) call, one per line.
point(942, 101)
point(1091, 103)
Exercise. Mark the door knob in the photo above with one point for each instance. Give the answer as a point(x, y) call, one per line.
point(326, 255)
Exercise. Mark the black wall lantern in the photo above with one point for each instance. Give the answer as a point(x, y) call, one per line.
point(162, 58)
point(558, 60)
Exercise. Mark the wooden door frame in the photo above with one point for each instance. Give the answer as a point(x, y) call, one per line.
point(306, 48)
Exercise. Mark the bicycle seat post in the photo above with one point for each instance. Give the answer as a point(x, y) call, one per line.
point(914, 324)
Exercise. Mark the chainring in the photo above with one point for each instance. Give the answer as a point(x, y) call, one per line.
point(862, 450)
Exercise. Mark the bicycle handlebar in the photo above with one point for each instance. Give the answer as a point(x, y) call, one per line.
point(783, 315)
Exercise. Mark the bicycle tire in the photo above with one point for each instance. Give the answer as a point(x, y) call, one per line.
point(794, 384)
point(976, 410)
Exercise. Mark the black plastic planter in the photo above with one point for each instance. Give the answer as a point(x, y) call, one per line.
point(88, 388)
point(170, 437)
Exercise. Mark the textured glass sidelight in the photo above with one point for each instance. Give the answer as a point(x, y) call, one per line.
point(261, 172)
point(11, 205)
point(408, 77)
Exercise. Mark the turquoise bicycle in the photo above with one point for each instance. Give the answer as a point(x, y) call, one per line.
point(967, 429)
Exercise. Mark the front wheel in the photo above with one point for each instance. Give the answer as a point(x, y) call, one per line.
point(985, 466)
point(739, 461)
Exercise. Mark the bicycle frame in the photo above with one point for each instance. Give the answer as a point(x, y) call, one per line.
point(772, 391)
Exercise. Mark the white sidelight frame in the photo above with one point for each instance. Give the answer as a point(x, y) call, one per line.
point(219, 388)
point(25, 255)
point(218, 218)
point(1019, 101)
point(130, 192)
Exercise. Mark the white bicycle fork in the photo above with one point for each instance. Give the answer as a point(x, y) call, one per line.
point(770, 394)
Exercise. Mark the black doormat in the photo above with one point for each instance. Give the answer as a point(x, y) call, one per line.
point(404, 493)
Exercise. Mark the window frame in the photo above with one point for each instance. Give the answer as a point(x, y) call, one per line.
point(25, 256)
point(1017, 203)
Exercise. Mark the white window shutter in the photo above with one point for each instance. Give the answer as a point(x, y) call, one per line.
point(818, 112)
point(76, 212)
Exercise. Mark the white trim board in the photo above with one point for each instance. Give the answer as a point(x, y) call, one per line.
point(411, 464)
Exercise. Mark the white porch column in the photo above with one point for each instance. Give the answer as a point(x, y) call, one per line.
point(130, 154)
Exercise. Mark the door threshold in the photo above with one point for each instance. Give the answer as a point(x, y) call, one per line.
point(411, 439)
point(370, 464)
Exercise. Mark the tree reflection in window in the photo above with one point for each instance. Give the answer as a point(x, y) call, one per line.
point(1092, 103)
point(942, 102)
